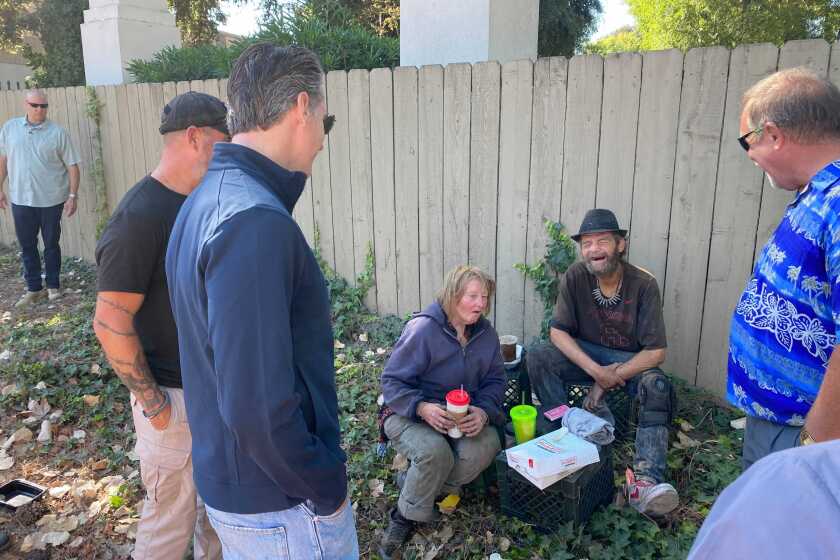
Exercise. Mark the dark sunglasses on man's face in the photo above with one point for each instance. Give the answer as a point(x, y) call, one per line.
point(39, 105)
point(329, 121)
point(743, 138)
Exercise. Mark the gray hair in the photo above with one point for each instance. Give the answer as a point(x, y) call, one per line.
point(265, 82)
point(799, 101)
point(35, 92)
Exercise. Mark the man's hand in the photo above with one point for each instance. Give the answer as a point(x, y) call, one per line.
point(594, 398)
point(436, 416)
point(70, 206)
point(161, 421)
point(475, 420)
point(3, 201)
point(607, 376)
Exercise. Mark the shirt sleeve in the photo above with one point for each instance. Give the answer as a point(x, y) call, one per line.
point(564, 310)
point(68, 151)
point(4, 138)
point(650, 322)
point(409, 359)
point(250, 281)
point(127, 254)
point(831, 242)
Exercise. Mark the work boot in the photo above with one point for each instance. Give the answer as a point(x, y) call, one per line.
point(650, 498)
point(4, 541)
point(31, 298)
point(395, 535)
point(53, 293)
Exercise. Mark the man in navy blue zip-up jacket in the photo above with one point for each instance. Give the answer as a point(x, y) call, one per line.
point(253, 317)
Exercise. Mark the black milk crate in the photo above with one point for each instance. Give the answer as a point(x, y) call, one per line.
point(518, 387)
point(574, 498)
point(623, 408)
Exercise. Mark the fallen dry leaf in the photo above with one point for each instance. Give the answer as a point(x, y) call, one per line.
point(377, 487)
point(100, 465)
point(91, 400)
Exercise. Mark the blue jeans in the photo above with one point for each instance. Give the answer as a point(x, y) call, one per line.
point(292, 534)
point(29, 221)
point(549, 371)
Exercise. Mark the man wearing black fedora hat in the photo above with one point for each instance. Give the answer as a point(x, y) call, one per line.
point(608, 330)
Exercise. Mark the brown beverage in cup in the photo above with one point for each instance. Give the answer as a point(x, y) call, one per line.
point(457, 404)
point(508, 343)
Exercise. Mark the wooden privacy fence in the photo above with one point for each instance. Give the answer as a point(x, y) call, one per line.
point(435, 167)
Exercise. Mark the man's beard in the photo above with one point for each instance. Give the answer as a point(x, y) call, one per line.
point(610, 266)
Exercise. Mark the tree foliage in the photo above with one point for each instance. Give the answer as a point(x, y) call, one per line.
point(566, 25)
point(686, 24)
point(55, 23)
point(340, 45)
point(198, 20)
point(625, 39)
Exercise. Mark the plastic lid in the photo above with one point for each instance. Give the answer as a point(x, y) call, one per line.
point(523, 412)
point(458, 397)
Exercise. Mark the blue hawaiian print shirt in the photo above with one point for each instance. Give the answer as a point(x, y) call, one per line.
point(784, 327)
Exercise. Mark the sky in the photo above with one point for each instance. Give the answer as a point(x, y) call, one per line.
point(242, 20)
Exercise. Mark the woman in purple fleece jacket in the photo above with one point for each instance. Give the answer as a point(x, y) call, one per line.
point(448, 345)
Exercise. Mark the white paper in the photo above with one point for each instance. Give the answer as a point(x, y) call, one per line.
point(548, 458)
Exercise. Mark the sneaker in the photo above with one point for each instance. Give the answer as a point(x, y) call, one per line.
point(650, 498)
point(399, 528)
point(31, 298)
point(53, 293)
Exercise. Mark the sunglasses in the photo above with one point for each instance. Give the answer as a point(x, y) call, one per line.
point(39, 105)
point(329, 121)
point(743, 139)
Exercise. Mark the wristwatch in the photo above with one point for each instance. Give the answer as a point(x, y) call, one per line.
point(805, 438)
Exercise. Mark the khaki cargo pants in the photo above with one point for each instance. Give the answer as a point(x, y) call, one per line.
point(172, 511)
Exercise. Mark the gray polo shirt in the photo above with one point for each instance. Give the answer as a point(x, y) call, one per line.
point(37, 158)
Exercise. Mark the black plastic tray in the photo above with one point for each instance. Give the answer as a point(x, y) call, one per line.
point(19, 492)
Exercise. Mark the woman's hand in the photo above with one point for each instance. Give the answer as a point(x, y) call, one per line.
point(471, 424)
point(435, 415)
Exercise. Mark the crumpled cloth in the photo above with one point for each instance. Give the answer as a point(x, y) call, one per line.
point(586, 425)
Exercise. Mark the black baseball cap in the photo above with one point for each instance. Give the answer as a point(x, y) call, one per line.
point(193, 109)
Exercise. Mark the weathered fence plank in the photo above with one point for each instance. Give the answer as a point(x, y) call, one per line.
point(583, 130)
point(514, 167)
point(619, 124)
point(548, 127)
point(698, 146)
point(737, 198)
point(659, 110)
point(382, 168)
point(484, 166)
point(358, 84)
point(430, 114)
point(342, 197)
point(457, 88)
point(406, 189)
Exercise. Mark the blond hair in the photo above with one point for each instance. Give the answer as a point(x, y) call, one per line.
point(455, 285)
point(799, 101)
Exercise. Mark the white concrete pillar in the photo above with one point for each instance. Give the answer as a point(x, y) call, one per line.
point(118, 31)
point(444, 31)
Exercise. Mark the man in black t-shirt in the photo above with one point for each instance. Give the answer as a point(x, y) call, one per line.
point(608, 331)
point(135, 326)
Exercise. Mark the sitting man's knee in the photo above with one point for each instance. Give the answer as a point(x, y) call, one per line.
point(542, 358)
point(437, 455)
point(656, 399)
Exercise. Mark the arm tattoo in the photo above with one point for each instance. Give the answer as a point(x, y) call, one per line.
point(138, 378)
point(109, 328)
point(114, 305)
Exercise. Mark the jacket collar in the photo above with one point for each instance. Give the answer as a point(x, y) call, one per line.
point(286, 185)
point(436, 312)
